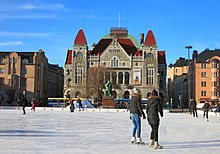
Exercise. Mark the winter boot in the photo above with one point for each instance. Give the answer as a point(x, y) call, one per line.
point(133, 140)
point(151, 144)
point(157, 145)
point(139, 141)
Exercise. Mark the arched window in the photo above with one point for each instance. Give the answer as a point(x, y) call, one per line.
point(79, 55)
point(150, 56)
point(68, 82)
point(114, 77)
point(126, 94)
point(215, 63)
point(120, 78)
point(114, 62)
point(127, 77)
point(24, 61)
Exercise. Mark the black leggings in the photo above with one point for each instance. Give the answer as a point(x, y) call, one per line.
point(154, 132)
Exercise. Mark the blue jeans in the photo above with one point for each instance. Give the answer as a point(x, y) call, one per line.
point(137, 124)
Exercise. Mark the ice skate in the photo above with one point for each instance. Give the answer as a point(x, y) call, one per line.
point(157, 145)
point(139, 141)
point(133, 140)
point(151, 143)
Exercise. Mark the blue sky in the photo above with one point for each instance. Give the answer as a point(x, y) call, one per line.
point(52, 25)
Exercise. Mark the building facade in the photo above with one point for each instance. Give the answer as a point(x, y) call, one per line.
point(207, 76)
point(30, 74)
point(177, 82)
point(119, 58)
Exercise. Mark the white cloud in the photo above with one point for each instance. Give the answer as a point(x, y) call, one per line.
point(32, 16)
point(10, 43)
point(42, 6)
point(6, 7)
point(14, 34)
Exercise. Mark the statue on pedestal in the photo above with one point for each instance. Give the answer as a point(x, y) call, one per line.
point(108, 89)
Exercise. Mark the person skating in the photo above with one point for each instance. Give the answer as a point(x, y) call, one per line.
point(154, 106)
point(80, 104)
point(193, 107)
point(135, 113)
point(206, 109)
point(71, 105)
point(24, 102)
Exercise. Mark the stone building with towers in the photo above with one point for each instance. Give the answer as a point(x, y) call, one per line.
point(119, 58)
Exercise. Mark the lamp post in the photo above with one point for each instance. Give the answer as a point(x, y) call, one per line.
point(188, 47)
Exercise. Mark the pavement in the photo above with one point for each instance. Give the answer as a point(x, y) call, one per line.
point(56, 130)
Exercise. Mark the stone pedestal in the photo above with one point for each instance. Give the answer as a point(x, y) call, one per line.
point(108, 102)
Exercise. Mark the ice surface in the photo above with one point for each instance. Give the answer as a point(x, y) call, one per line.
point(89, 132)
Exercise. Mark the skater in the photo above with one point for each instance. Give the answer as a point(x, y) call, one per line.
point(71, 105)
point(33, 103)
point(135, 113)
point(80, 104)
point(154, 106)
point(24, 102)
point(193, 107)
point(206, 109)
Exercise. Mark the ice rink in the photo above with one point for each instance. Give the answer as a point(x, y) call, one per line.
point(91, 132)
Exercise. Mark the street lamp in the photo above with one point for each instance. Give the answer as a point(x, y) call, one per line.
point(188, 47)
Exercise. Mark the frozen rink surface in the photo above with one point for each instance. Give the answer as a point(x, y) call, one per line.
point(46, 131)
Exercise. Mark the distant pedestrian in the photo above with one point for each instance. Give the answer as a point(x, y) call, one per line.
point(37, 102)
point(80, 104)
point(217, 108)
point(24, 103)
point(135, 113)
point(206, 109)
point(154, 106)
point(193, 107)
point(71, 105)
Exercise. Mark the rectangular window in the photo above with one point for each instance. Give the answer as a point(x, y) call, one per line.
point(79, 73)
point(150, 75)
point(215, 74)
point(214, 65)
point(2, 70)
point(215, 93)
point(203, 74)
point(203, 65)
point(203, 83)
point(203, 93)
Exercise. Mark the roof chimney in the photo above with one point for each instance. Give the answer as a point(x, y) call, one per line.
point(141, 38)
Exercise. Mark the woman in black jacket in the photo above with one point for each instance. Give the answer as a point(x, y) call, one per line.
point(154, 106)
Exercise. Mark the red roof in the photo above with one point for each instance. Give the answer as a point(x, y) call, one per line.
point(80, 38)
point(161, 57)
point(128, 46)
point(150, 39)
point(69, 57)
point(101, 46)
